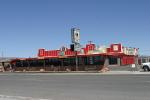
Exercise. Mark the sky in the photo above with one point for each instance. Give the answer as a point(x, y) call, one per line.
point(27, 25)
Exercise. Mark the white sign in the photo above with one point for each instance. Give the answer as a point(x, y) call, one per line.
point(99, 50)
point(130, 51)
point(102, 49)
point(75, 35)
point(115, 47)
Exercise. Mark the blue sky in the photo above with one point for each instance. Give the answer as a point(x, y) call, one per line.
point(27, 25)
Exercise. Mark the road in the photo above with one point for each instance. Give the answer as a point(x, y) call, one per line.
point(49, 86)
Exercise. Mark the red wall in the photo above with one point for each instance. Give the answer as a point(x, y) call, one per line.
point(69, 52)
point(108, 50)
point(41, 53)
point(125, 60)
point(90, 47)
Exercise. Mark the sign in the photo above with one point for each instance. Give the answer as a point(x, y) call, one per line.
point(130, 51)
point(102, 49)
point(99, 50)
point(61, 53)
point(115, 48)
point(77, 47)
point(75, 35)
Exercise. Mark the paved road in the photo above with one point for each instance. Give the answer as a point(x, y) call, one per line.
point(23, 86)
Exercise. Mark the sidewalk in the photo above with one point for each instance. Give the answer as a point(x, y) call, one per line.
point(79, 73)
point(126, 72)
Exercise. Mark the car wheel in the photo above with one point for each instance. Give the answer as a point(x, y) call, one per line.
point(146, 69)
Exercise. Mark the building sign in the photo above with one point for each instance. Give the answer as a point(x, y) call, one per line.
point(61, 53)
point(41, 52)
point(130, 51)
point(115, 47)
point(102, 49)
point(98, 50)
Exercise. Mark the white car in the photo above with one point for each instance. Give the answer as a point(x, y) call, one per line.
point(146, 66)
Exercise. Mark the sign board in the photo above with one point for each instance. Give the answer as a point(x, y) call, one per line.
point(61, 53)
point(102, 49)
point(130, 51)
point(99, 50)
point(115, 48)
point(75, 35)
point(77, 47)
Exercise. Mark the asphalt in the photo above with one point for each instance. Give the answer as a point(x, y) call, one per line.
point(111, 85)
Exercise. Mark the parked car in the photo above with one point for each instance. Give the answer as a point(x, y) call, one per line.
point(146, 66)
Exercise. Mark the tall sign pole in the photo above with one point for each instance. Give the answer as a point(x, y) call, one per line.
point(75, 39)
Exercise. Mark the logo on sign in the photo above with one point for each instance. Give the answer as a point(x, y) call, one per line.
point(115, 47)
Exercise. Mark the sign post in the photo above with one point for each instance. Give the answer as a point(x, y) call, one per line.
point(75, 38)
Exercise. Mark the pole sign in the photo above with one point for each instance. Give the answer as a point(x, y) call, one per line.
point(75, 35)
point(77, 47)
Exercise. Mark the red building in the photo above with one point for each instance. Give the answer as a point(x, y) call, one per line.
point(126, 55)
point(90, 57)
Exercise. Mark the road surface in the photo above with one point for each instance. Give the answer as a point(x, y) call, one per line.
point(49, 86)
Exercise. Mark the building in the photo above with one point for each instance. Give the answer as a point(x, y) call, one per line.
point(143, 59)
point(90, 57)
